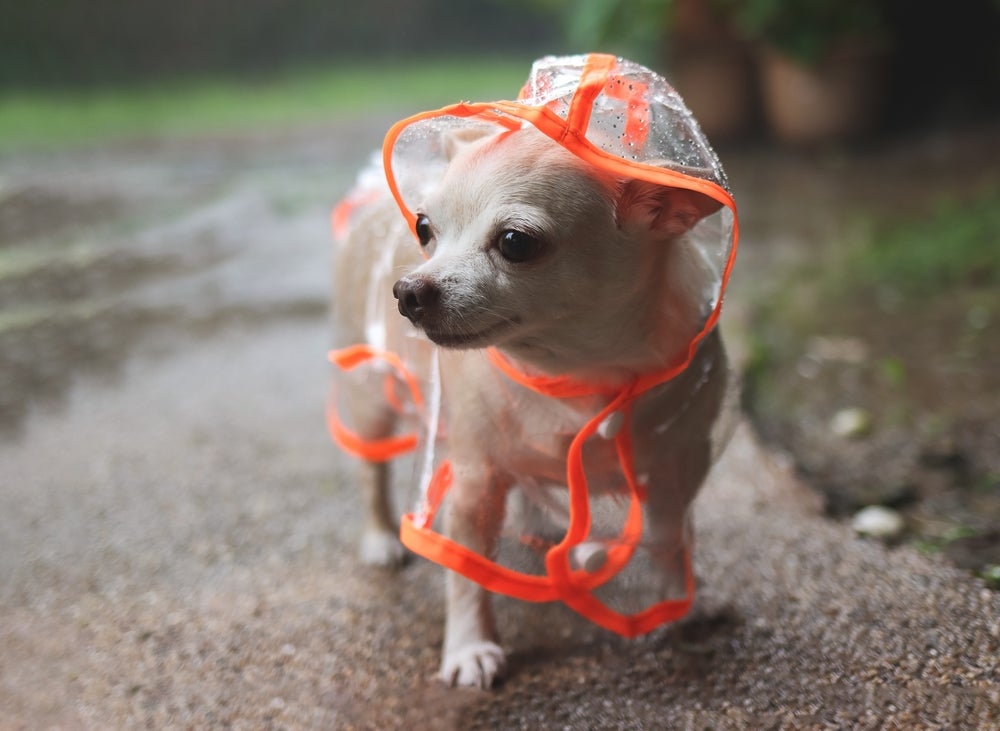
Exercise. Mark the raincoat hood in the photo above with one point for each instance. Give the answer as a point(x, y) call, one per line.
point(611, 112)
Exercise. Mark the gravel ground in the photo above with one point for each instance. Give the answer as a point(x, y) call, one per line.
point(177, 535)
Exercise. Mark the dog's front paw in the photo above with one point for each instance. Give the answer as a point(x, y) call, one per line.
point(474, 665)
point(382, 548)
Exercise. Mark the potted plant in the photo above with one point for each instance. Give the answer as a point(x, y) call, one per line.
point(821, 64)
point(711, 66)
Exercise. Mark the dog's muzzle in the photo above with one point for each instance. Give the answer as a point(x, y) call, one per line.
point(416, 296)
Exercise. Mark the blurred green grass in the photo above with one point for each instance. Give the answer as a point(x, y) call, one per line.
point(941, 266)
point(956, 244)
point(190, 107)
point(895, 260)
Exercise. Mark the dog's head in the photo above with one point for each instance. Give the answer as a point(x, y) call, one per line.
point(561, 265)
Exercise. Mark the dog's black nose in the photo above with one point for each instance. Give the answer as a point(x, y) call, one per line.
point(415, 295)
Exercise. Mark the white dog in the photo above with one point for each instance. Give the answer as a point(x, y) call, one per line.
point(566, 270)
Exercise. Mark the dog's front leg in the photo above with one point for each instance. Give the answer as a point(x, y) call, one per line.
point(472, 655)
point(669, 499)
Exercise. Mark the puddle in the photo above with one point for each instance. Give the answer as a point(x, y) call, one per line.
point(33, 211)
point(96, 260)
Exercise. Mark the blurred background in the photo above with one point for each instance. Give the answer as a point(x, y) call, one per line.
point(168, 168)
point(918, 65)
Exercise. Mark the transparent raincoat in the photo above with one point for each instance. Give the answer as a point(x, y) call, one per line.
point(575, 527)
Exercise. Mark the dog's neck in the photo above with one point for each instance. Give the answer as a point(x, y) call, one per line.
point(648, 327)
point(608, 383)
point(614, 370)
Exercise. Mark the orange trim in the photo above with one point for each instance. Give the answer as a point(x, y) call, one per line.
point(592, 79)
point(561, 582)
point(390, 395)
point(373, 450)
point(341, 213)
point(552, 125)
point(555, 386)
point(339, 217)
point(474, 566)
point(416, 534)
point(633, 625)
point(498, 579)
point(571, 587)
point(354, 355)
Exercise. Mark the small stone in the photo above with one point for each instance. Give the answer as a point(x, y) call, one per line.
point(851, 423)
point(809, 366)
point(878, 521)
point(612, 424)
point(590, 556)
point(978, 317)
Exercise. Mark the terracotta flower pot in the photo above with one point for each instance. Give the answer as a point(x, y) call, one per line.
point(710, 66)
point(717, 86)
point(834, 100)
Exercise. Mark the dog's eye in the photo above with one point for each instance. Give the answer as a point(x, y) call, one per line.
point(423, 229)
point(517, 246)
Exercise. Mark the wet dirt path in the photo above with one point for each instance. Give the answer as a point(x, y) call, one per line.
point(177, 535)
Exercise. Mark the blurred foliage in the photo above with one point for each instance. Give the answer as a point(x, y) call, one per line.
point(100, 42)
point(807, 30)
point(956, 244)
point(955, 53)
point(633, 28)
point(107, 43)
point(884, 266)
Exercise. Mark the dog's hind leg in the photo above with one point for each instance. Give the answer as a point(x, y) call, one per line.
point(373, 421)
point(380, 544)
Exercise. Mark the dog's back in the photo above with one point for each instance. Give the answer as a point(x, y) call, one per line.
point(372, 249)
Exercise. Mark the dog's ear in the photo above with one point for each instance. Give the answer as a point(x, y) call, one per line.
point(670, 212)
point(454, 140)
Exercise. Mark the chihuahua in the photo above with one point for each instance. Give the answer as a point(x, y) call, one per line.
point(566, 270)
